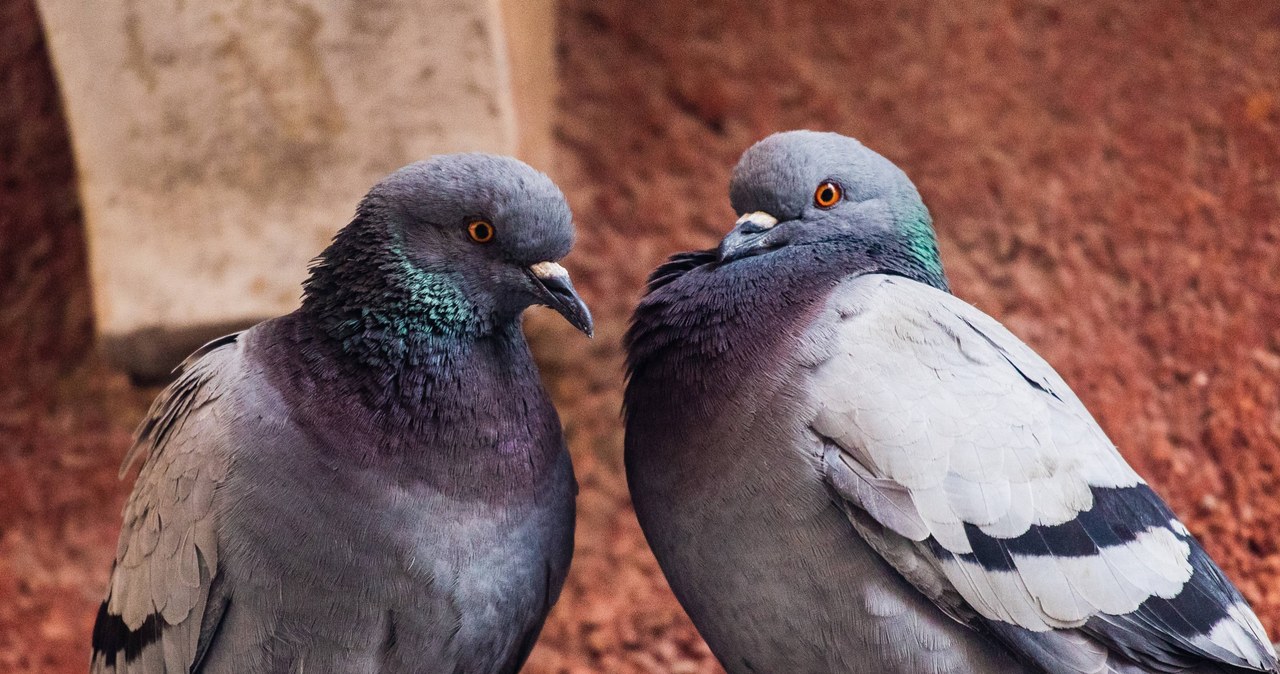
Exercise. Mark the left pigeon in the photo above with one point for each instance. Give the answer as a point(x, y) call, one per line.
point(376, 482)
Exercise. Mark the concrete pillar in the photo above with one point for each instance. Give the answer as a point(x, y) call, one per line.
point(219, 145)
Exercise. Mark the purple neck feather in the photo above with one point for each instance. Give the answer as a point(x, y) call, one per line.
point(704, 325)
point(458, 411)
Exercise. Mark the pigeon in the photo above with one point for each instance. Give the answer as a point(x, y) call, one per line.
point(376, 482)
point(842, 467)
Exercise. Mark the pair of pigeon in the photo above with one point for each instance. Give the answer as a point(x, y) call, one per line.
point(840, 466)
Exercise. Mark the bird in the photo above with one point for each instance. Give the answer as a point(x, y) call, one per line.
point(377, 481)
point(843, 467)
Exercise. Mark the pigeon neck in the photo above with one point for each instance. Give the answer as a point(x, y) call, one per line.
point(456, 412)
point(373, 303)
point(913, 251)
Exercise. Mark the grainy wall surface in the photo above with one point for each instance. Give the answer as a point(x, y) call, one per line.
point(1105, 178)
point(222, 143)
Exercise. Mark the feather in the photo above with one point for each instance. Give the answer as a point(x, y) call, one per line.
point(151, 618)
point(1004, 482)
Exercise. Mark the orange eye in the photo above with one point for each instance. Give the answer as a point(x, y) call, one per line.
point(827, 195)
point(481, 231)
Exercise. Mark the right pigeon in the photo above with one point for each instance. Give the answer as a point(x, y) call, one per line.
point(842, 467)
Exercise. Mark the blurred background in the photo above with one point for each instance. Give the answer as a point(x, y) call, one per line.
point(1104, 177)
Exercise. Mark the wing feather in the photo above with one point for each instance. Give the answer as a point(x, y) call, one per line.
point(153, 617)
point(975, 459)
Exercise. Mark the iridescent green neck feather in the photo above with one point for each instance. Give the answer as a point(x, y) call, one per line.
point(368, 297)
point(920, 243)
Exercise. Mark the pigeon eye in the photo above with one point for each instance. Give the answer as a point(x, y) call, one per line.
point(827, 195)
point(481, 231)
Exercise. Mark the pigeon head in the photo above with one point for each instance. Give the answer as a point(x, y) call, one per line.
point(457, 244)
point(801, 188)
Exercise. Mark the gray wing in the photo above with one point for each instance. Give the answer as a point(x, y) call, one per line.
point(164, 603)
point(968, 463)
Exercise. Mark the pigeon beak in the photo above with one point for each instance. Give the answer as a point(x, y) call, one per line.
point(747, 236)
point(558, 293)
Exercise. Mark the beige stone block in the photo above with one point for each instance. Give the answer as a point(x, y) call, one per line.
point(220, 145)
point(531, 30)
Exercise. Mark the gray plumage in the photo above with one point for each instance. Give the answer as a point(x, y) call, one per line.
point(376, 482)
point(841, 467)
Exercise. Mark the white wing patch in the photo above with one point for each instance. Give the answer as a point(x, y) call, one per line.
point(921, 398)
point(1240, 633)
point(959, 440)
point(1065, 592)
